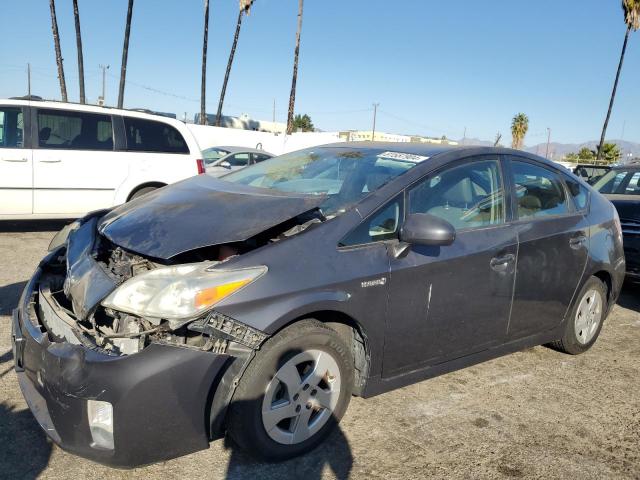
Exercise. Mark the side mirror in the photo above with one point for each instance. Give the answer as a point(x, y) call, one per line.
point(425, 229)
point(224, 164)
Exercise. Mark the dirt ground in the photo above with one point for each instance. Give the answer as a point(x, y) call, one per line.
point(533, 414)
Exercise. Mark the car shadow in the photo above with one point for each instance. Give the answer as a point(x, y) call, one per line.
point(9, 296)
point(333, 454)
point(630, 296)
point(25, 447)
point(33, 225)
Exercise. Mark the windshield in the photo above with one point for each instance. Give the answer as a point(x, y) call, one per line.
point(344, 174)
point(213, 154)
point(620, 181)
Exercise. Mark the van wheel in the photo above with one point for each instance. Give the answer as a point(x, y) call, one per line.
point(586, 319)
point(141, 192)
point(294, 392)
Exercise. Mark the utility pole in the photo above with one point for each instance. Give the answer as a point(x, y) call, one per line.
point(29, 80)
point(546, 155)
point(274, 115)
point(375, 112)
point(464, 136)
point(101, 100)
point(624, 126)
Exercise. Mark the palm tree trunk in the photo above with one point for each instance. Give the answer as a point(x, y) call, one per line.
point(203, 87)
point(229, 63)
point(125, 54)
point(613, 94)
point(292, 97)
point(76, 16)
point(56, 44)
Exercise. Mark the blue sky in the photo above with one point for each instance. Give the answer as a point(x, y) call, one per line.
point(434, 67)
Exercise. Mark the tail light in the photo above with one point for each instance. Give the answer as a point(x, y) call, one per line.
point(200, 164)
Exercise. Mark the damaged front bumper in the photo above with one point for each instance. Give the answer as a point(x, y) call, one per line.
point(160, 396)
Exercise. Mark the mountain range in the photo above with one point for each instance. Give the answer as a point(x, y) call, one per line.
point(557, 151)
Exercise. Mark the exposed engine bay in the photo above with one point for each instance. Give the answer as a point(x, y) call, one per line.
point(116, 332)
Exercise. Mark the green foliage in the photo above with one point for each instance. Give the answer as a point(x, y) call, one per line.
point(519, 128)
point(303, 123)
point(610, 154)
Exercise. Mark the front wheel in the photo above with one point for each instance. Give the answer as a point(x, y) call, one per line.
point(293, 393)
point(586, 318)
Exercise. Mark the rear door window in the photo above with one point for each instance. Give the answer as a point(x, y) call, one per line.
point(150, 136)
point(11, 127)
point(579, 193)
point(69, 130)
point(539, 192)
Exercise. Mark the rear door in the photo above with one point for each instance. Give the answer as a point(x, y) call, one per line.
point(553, 244)
point(16, 163)
point(75, 167)
point(450, 301)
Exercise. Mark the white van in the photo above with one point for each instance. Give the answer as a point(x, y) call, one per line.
point(62, 160)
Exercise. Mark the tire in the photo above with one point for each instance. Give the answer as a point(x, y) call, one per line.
point(586, 319)
point(282, 389)
point(142, 191)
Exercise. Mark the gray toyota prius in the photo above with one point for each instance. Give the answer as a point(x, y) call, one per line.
point(255, 305)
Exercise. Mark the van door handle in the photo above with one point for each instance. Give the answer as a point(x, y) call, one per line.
point(52, 160)
point(15, 160)
point(499, 264)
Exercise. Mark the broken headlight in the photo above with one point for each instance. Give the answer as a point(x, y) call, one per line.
point(179, 292)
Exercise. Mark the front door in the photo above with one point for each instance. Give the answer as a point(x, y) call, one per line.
point(451, 301)
point(16, 175)
point(552, 255)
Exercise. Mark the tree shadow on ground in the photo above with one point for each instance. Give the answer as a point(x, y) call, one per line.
point(25, 449)
point(33, 225)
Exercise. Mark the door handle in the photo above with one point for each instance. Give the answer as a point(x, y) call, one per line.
point(499, 264)
point(15, 160)
point(577, 241)
point(52, 160)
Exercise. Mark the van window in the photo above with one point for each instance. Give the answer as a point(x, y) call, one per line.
point(74, 130)
point(11, 127)
point(149, 136)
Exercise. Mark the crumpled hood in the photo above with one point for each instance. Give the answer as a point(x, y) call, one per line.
point(199, 212)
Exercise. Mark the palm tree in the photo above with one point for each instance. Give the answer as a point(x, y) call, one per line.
point(203, 88)
point(631, 10)
point(292, 97)
point(519, 128)
point(245, 6)
point(56, 44)
point(125, 54)
point(76, 16)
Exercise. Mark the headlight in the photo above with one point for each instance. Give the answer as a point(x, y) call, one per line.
point(179, 292)
point(61, 237)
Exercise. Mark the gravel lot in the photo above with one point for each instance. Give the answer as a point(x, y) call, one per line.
point(537, 413)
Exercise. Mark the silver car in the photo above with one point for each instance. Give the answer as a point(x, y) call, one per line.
point(219, 161)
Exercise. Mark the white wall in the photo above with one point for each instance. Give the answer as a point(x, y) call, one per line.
point(208, 136)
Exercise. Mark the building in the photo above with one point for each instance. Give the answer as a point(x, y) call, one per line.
point(366, 135)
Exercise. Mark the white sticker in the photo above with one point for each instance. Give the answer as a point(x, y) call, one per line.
point(407, 157)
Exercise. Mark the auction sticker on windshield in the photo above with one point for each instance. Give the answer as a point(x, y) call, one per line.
point(407, 157)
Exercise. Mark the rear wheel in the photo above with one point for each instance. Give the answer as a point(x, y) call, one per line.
point(587, 316)
point(293, 393)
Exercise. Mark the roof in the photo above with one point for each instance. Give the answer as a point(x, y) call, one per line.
point(35, 101)
point(236, 149)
